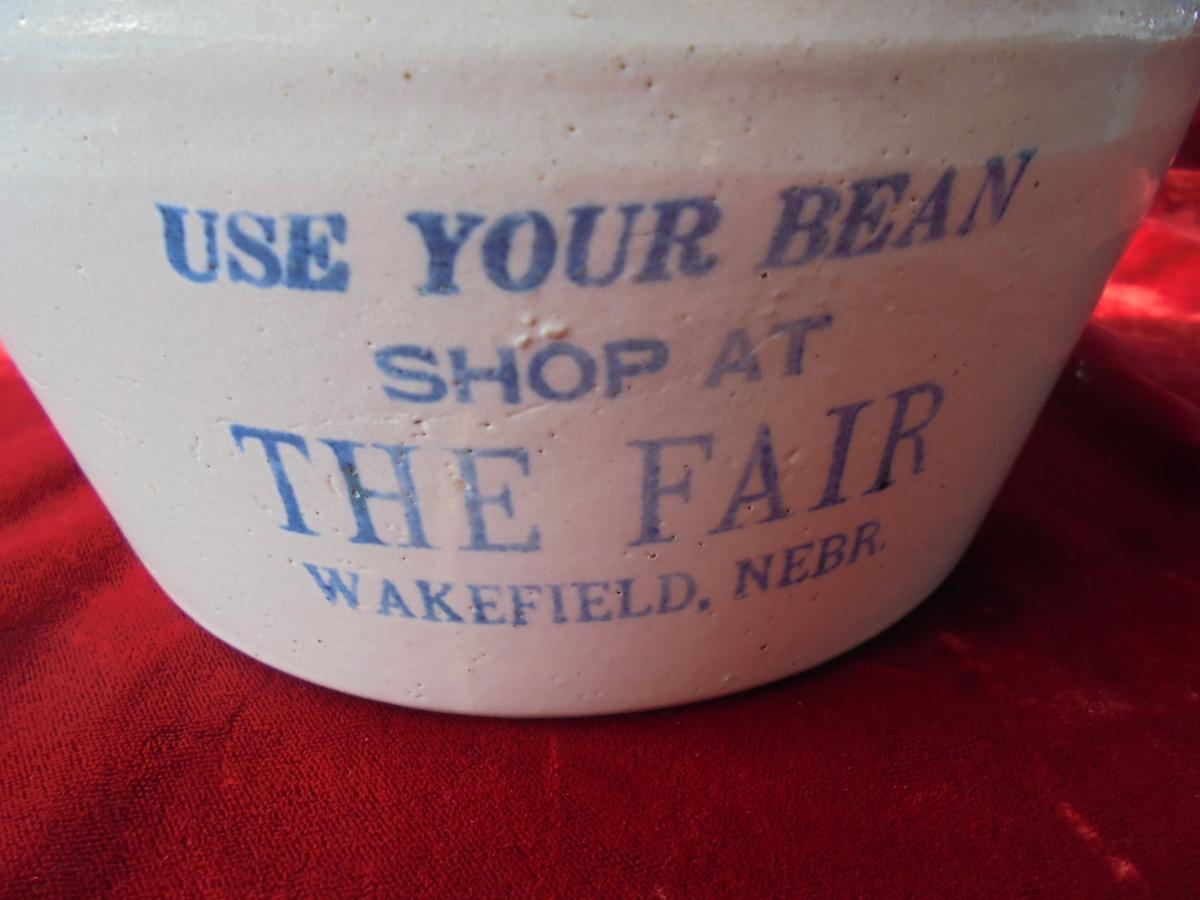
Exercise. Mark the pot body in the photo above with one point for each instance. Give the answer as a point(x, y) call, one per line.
point(565, 358)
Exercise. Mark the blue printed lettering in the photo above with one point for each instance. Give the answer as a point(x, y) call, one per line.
point(794, 559)
point(864, 537)
point(737, 357)
point(476, 501)
point(654, 358)
point(867, 213)
point(390, 599)
point(579, 246)
point(585, 366)
point(934, 212)
point(442, 248)
point(792, 223)
point(520, 605)
point(434, 384)
point(996, 179)
point(668, 602)
point(847, 418)
point(653, 490)
point(901, 432)
point(483, 606)
point(747, 570)
point(830, 550)
point(797, 331)
point(693, 261)
point(589, 601)
point(257, 248)
point(505, 374)
point(761, 462)
point(333, 585)
point(497, 251)
point(271, 441)
point(310, 264)
point(436, 607)
point(360, 495)
point(175, 241)
point(831, 555)
point(559, 603)
point(625, 592)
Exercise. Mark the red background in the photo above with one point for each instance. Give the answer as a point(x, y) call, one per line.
point(1033, 728)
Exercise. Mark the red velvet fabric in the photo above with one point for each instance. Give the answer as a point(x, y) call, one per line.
point(1034, 728)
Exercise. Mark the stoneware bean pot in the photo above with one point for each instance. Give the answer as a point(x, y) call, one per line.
point(553, 357)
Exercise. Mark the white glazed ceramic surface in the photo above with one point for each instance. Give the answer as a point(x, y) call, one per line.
point(541, 357)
